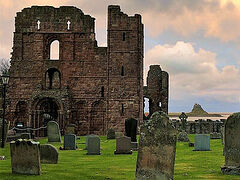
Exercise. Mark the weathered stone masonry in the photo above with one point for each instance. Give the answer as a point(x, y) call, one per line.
point(95, 88)
point(157, 89)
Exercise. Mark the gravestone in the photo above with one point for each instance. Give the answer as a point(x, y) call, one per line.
point(183, 117)
point(93, 145)
point(157, 147)
point(87, 137)
point(202, 142)
point(25, 157)
point(215, 135)
point(53, 132)
point(111, 134)
point(69, 142)
point(131, 129)
point(232, 145)
point(48, 154)
point(5, 130)
point(183, 137)
point(123, 145)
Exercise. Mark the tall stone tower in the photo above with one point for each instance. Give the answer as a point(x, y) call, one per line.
point(125, 64)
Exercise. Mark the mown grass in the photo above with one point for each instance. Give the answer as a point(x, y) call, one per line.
point(77, 165)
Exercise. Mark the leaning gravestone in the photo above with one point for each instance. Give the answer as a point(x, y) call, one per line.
point(123, 145)
point(69, 142)
point(53, 132)
point(48, 154)
point(111, 134)
point(202, 142)
point(232, 145)
point(93, 145)
point(25, 157)
point(157, 147)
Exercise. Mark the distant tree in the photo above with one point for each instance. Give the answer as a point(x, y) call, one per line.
point(4, 66)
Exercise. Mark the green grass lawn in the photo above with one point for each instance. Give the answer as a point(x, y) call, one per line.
point(77, 165)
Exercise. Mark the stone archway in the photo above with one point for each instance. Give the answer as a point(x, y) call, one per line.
point(46, 109)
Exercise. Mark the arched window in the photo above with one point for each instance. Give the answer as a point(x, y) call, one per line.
point(53, 79)
point(54, 50)
point(146, 106)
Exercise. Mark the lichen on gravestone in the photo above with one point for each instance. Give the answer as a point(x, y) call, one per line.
point(157, 147)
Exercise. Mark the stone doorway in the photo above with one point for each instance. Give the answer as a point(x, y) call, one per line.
point(46, 109)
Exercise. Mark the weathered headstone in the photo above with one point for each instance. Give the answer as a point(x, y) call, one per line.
point(202, 142)
point(215, 135)
point(25, 157)
point(111, 134)
point(232, 145)
point(69, 142)
point(157, 147)
point(48, 154)
point(53, 132)
point(183, 137)
point(123, 145)
point(87, 137)
point(131, 129)
point(183, 117)
point(93, 145)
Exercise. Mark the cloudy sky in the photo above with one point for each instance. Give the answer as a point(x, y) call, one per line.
point(197, 42)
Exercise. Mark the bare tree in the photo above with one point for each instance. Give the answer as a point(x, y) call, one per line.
point(4, 66)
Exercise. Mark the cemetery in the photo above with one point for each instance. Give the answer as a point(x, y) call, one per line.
point(75, 164)
point(82, 116)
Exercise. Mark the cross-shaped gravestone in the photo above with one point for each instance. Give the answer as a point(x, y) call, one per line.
point(38, 24)
point(68, 23)
point(183, 117)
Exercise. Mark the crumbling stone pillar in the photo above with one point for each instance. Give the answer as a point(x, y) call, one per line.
point(157, 89)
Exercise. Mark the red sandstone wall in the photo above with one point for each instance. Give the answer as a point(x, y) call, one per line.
point(84, 68)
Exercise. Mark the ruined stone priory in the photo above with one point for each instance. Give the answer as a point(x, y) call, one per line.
point(57, 68)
